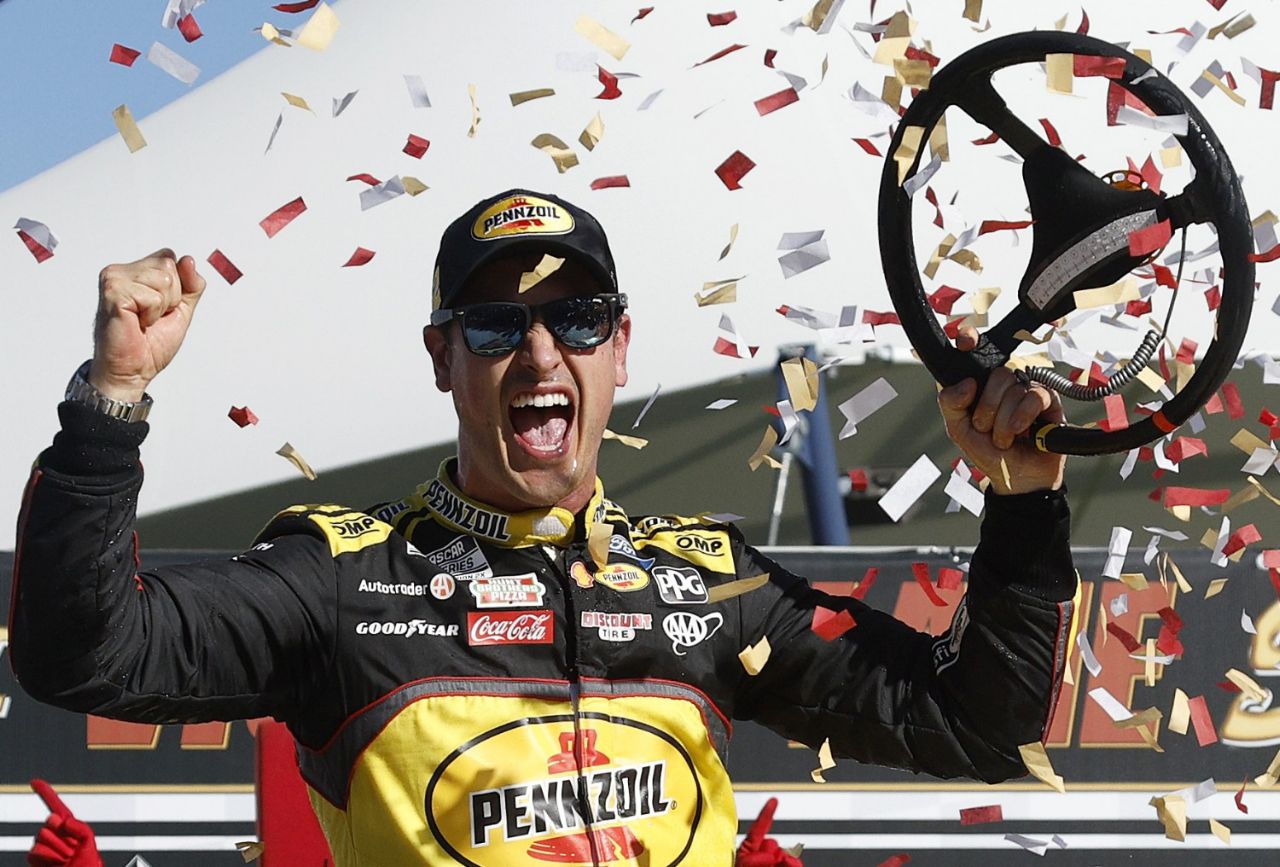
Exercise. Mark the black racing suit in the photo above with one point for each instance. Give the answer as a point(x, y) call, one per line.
point(468, 686)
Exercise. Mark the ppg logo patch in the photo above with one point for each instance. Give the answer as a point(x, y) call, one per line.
point(680, 585)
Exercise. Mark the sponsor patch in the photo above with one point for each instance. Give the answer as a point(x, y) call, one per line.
point(582, 575)
point(521, 215)
point(347, 532)
point(706, 548)
point(686, 629)
point(406, 628)
point(623, 577)
point(946, 650)
point(469, 517)
point(390, 510)
point(616, 626)
point(680, 585)
point(489, 628)
point(442, 586)
point(389, 589)
point(508, 591)
point(461, 558)
point(620, 545)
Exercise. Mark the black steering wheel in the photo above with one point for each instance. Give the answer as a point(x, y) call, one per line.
point(1080, 230)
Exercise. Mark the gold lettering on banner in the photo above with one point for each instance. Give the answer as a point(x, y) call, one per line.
point(1251, 722)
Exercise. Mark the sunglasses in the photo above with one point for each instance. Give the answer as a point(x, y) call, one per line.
point(496, 328)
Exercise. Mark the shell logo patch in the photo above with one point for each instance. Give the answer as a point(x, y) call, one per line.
point(623, 577)
point(521, 215)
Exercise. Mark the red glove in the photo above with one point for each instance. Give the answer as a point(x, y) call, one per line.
point(64, 841)
point(757, 850)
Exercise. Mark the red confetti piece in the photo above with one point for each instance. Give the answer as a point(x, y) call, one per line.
point(732, 170)
point(1218, 4)
point(1117, 415)
point(1275, 580)
point(1148, 240)
point(1164, 277)
point(895, 860)
point(1138, 307)
point(610, 181)
point(40, 251)
point(1268, 417)
point(730, 349)
point(913, 53)
point(774, 101)
point(949, 579)
point(1002, 225)
point(719, 19)
point(1125, 637)
point(944, 298)
point(242, 416)
point(830, 625)
point(1269, 256)
point(869, 146)
point(123, 55)
point(723, 52)
point(991, 139)
point(1271, 558)
point(858, 479)
point(1227, 686)
point(360, 257)
point(1170, 625)
point(1174, 496)
point(1097, 64)
point(189, 29)
point(1235, 406)
point(1187, 351)
point(872, 317)
point(867, 582)
point(981, 815)
point(1186, 447)
point(297, 7)
point(1118, 96)
point(416, 146)
point(642, 13)
point(609, 82)
point(1055, 140)
point(1206, 734)
point(1083, 29)
point(1240, 539)
point(769, 55)
point(1151, 175)
point(1240, 805)
point(921, 573)
point(1213, 405)
point(223, 266)
point(366, 177)
point(1266, 98)
point(282, 216)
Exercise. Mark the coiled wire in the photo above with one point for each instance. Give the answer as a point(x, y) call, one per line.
point(1050, 378)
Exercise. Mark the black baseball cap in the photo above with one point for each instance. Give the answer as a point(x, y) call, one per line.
point(516, 221)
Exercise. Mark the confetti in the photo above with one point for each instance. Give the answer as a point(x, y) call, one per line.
point(907, 151)
point(629, 441)
point(1172, 812)
point(282, 216)
point(320, 29)
point(475, 113)
point(610, 181)
point(731, 589)
point(754, 657)
point(189, 28)
point(642, 13)
point(808, 250)
point(1150, 240)
point(600, 36)
point(1221, 831)
point(767, 442)
point(830, 625)
point(1206, 734)
point(909, 487)
point(1174, 124)
point(274, 131)
point(128, 128)
point(1237, 541)
point(418, 97)
point(1177, 496)
point(297, 7)
point(921, 573)
point(825, 762)
point(173, 63)
point(722, 403)
point(862, 405)
point(250, 850)
point(732, 170)
point(224, 267)
point(290, 454)
point(361, 256)
point(560, 153)
point(981, 815)
point(1239, 797)
point(1248, 686)
point(593, 132)
point(382, 193)
point(645, 409)
point(522, 96)
point(340, 105)
point(296, 101)
point(37, 237)
point(717, 292)
point(719, 19)
point(546, 266)
point(416, 146)
point(123, 55)
point(773, 102)
point(242, 416)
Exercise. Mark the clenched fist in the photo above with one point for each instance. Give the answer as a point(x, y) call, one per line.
point(144, 311)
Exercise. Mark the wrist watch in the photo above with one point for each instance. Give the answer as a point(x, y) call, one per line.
point(80, 390)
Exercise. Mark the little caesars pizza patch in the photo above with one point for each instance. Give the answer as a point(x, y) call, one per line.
point(521, 215)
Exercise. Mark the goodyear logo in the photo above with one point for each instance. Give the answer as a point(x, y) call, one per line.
point(614, 791)
point(521, 215)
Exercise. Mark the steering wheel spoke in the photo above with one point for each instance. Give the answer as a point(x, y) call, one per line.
point(982, 103)
point(1189, 207)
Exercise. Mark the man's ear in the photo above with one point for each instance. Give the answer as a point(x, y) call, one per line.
point(437, 343)
point(621, 340)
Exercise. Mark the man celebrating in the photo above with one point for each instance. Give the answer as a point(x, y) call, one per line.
point(503, 667)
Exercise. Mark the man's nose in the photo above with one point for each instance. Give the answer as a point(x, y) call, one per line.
point(540, 350)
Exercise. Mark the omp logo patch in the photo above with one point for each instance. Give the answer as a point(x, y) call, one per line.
point(535, 792)
point(347, 532)
point(709, 549)
point(521, 215)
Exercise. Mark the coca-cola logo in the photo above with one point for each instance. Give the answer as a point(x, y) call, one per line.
point(485, 628)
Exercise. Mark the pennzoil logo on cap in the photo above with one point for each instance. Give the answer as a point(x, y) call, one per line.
point(521, 215)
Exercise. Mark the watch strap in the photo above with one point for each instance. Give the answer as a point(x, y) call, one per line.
point(80, 390)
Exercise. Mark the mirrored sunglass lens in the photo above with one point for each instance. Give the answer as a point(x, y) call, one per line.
point(580, 322)
point(492, 329)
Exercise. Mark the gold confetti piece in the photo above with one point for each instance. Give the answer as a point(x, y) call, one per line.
point(1172, 811)
point(1233, 26)
point(938, 145)
point(320, 29)
point(250, 850)
point(296, 101)
point(1248, 686)
point(1102, 624)
point(826, 60)
point(1151, 379)
point(816, 17)
point(1221, 831)
point(128, 128)
point(1262, 490)
point(973, 10)
point(940, 253)
point(559, 152)
point(907, 150)
point(1125, 290)
point(546, 266)
point(891, 91)
point(598, 543)
point(774, 463)
point(475, 111)
point(717, 292)
point(721, 592)
point(1149, 663)
point(1270, 776)
point(1222, 86)
point(412, 185)
point(1171, 157)
point(825, 762)
point(983, 299)
point(271, 34)
point(767, 442)
point(1180, 715)
point(1182, 513)
point(733, 236)
point(602, 37)
point(1039, 766)
point(801, 389)
point(1183, 584)
point(1004, 474)
point(526, 95)
point(593, 133)
point(754, 657)
point(632, 442)
point(1215, 587)
point(1147, 717)
point(1060, 70)
point(1134, 580)
point(290, 454)
point(1248, 442)
point(913, 73)
point(968, 259)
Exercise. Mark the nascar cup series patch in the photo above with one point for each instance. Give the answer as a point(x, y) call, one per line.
point(521, 215)
point(520, 795)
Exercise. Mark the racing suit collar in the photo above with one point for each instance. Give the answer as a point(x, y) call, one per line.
point(550, 526)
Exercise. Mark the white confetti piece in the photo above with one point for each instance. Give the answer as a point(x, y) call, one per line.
point(383, 192)
point(1110, 704)
point(648, 403)
point(173, 63)
point(861, 406)
point(1116, 551)
point(1087, 655)
point(722, 403)
point(909, 487)
point(1246, 623)
point(340, 105)
point(963, 493)
point(417, 91)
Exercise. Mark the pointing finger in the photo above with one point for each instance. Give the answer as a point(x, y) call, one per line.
point(50, 798)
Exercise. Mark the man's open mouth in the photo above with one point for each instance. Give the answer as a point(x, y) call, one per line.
point(541, 421)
